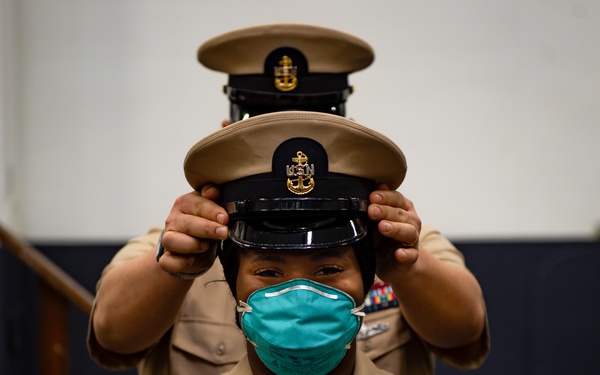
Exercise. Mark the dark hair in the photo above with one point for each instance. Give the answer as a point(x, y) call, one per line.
point(364, 250)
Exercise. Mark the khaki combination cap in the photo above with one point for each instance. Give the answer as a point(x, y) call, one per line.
point(297, 179)
point(246, 148)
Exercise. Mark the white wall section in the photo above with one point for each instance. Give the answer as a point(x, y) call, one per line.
point(496, 105)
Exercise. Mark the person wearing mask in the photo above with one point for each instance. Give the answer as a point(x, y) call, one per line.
point(300, 256)
point(171, 316)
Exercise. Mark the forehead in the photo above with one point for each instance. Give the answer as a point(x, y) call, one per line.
point(345, 253)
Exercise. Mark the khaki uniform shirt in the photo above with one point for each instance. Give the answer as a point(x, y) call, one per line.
point(362, 366)
point(205, 339)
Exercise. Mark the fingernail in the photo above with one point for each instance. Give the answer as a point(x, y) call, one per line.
point(222, 232)
point(221, 218)
point(386, 227)
point(376, 211)
point(204, 245)
point(402, 254)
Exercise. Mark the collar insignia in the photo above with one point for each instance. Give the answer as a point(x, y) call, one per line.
point(368, 331)
point(285, 75)
point(300, 176)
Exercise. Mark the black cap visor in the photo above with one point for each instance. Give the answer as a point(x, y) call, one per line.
point(297, 224)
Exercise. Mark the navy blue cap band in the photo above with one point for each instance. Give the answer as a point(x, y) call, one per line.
point(265, 185)
point(279, 99)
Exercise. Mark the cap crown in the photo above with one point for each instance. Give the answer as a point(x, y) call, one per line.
point(246, 148)
point(244, 51)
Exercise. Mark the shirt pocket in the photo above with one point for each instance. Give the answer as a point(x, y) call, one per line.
point(383, 331)
point(215, 342)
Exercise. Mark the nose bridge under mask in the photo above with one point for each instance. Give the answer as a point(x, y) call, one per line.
point(301, 287)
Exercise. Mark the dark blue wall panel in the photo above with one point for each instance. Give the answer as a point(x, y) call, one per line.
point(542, 300)
point(542, 297)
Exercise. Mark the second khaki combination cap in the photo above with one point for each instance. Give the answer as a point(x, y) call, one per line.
point(286, 67)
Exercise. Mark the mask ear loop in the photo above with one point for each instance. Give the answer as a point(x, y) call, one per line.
point(243, 307)
point(357, 310)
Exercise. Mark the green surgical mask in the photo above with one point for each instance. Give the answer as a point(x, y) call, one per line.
point(300, 327)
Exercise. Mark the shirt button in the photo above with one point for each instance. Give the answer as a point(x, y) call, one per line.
point(220, 349)
point(366, 346)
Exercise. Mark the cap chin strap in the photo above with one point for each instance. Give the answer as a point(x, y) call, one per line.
point(263, 98)
point(250, 103)
point(319, 206)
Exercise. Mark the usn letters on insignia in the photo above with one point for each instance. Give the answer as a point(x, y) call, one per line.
point(303, 182)
point(285, 75)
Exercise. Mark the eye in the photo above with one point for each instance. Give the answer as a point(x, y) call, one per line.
point(268, 272)
point(330, 269)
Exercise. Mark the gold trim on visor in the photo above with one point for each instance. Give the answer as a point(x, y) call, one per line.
point(304, 182)
point(285, 75)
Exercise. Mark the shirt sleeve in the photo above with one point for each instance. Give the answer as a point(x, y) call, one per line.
point(472, 355)
point(134, 248)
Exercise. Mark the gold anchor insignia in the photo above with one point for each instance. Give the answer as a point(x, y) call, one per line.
point(285, 75)
point(304, 182)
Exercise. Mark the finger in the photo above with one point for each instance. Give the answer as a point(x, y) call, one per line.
point(198, 217)
point(197, 204)
point(378, 212)
point(404, 233)
point(211, 191)
point(187, 263)
point(406, 256)
point(182, 243)
point(384, 196)
point(195, 226)
point(175, 262)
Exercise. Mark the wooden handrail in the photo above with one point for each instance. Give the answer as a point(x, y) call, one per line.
point(47, 270)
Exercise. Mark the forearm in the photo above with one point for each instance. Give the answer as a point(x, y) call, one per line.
point(136, 303)
point(442, 302)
